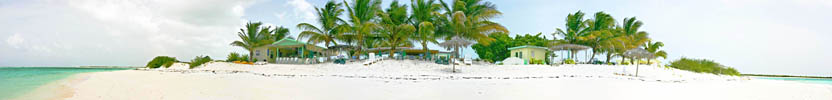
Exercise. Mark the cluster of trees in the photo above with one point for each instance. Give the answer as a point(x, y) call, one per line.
point(601, 33)
point(364, 24)
point(605, 36)
point(498, 50)
point(254, 35)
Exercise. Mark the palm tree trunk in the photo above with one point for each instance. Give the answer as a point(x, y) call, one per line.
point(392, 50)
point(592, 56)
point(609, 55)
point(622, 60)
point(250, 55)
point(425, 48)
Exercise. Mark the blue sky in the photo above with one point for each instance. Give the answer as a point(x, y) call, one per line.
point(754, 36)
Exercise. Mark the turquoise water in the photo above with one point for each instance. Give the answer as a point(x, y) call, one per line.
point(19, 80)
point(805, 80)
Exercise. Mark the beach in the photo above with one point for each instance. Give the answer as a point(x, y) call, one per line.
point(418, 80)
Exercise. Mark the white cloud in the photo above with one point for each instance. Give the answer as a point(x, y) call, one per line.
point(118, 32)
point(15, 40)
point(303, 9)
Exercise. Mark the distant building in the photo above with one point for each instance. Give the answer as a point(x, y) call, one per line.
point(528, 52)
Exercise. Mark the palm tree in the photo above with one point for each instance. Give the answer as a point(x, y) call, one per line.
point(252, 36)
point(331, 25)
point(599, 29)
point(633, 38)
point(395, 30)
point(280, 33)
point(653, 47)
point(469, 19)
point(361, 14)
point(423, 15)
point(575, 28)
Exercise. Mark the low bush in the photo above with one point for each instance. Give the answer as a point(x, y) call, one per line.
point(160, 61)
point(569, 61)
point(703, 66)
point(536, 61)
point(199, 60)
point(236, 57)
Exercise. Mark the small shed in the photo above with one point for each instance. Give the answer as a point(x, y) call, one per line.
point(529, 52)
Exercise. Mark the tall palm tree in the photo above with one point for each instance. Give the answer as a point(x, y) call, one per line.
point(598, 29)
point(361, 14)
point(633, 36)
point(575, 28)
point(653, 47)
point(469, 19)
point(423, 16)
point(252, 36)
point(331, 25)
point(395, 30)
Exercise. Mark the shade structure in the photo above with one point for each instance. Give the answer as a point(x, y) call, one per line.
point(638, 53)
point(455, 42)
point(569, 47)
point(292, 43)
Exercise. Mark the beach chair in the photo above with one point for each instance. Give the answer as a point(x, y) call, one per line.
point(467, 61)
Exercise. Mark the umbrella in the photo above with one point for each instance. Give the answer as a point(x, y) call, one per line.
point(638, 53)
point(455, 42)
point(570, 47)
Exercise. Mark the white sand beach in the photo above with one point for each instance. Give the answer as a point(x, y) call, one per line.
point(417, 80)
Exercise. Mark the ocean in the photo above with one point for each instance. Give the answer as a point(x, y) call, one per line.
point(16, 81)
point(804, 80)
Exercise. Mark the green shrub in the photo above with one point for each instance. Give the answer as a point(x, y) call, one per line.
point(199, 60)
point(244, 57)
point(236, 57)
point(536, 61)
point(160, 61)
point(703, 66)
point(569, 61)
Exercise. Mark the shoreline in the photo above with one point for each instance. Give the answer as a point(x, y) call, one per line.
point(789, 76)
point(55, 90)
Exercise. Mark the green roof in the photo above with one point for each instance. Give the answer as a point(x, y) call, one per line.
point(288, 42)
point(527, 46)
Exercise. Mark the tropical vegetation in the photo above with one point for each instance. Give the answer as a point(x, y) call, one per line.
point(199, 60)
point(363, 24)
point(498, 49)
point(255, 35)
point(160, 61)
point(703, 66)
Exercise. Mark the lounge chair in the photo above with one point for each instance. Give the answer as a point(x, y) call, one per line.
point(467, 61)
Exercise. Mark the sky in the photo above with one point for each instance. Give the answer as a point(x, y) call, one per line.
point(754, 36)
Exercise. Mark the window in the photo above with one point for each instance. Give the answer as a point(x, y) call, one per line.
point(256, 52)
point(532, 53)
point(519, 54)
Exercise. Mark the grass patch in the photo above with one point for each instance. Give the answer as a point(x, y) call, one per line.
point(703, 66)
point(160, 61)
point(199, 60)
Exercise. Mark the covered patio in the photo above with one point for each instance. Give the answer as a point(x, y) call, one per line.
point(291, 51)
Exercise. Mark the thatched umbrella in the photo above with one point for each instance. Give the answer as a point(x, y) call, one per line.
point(570, 47)
point(455, 43)
point(639, 54)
